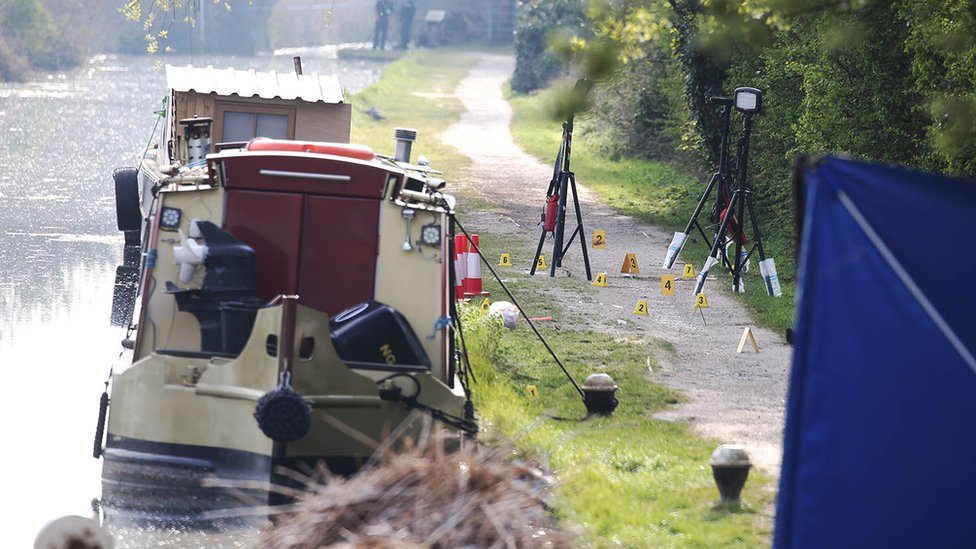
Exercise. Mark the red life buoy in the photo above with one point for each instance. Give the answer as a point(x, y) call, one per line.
point(361, 152)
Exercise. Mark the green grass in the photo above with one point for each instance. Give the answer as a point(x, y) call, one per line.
point(626, 480)
point(415, 92)
point(653, 192)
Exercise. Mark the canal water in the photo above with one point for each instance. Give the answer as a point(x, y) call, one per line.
point(61, 136)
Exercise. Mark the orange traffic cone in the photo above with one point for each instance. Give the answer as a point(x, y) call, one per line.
point(472, 281)
point(460, 265)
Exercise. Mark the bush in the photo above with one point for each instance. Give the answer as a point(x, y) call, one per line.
point(535, 64)
point(13, 66)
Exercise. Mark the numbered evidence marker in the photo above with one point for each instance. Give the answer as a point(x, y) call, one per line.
point(667, 285)
point(600, 280)
point(485, 305)
point(641, 308)
point(505, 261)
point(599, 238)
point(540, 262)
point(700, 301)
point(688, 271)
point(630, 264)
point(532, 390)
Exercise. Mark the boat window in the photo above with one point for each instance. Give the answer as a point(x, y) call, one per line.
point(238, 121)
point(272, 125)
point(243, 126)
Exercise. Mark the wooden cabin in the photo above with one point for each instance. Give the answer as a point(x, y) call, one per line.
point(245, 104)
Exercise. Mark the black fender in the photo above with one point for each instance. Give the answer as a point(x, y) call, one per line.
point(127, 208)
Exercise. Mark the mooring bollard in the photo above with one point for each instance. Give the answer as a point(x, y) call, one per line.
point(730, 467)
point(599, 392)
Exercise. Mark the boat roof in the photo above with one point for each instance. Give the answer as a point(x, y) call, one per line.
point(311, 88)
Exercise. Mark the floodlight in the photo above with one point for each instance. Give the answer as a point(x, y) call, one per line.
point(748, 100)
point(430, 235)
point(170, 219)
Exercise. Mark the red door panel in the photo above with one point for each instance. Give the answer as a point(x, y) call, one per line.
point(271, 224)
point(339, 241)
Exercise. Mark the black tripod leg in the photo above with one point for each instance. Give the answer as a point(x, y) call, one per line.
point(716, 244)
point(538, 250)
point(560, 229)
point(579, 226)
point(759, 246)
point(755, 227)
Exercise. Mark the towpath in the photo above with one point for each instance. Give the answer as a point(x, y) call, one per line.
point(733, 398)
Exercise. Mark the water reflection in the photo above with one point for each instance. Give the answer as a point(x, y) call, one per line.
point(61, 135)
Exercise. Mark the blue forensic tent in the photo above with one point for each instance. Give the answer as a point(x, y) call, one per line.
point(880, 438)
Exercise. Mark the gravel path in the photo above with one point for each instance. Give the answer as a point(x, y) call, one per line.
point(733, 398)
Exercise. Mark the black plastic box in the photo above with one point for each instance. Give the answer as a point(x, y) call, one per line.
point(373, 335)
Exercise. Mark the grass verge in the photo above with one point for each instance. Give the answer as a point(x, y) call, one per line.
point(621, 481)
point(415, 92)
point(653, 192)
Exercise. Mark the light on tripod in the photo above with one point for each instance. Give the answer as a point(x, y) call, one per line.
point(748, 100)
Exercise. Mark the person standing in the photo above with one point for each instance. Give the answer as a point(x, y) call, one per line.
point(407, 12)
point(383, 10)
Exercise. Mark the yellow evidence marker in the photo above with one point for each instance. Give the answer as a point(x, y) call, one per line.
point(700, 301)
point(688, 271)
point(600, 280)
point(485, 305)
point(641, 308)
point(667, 285)
point(505, 261)
point(630, 264)
point(532, 390)
point(540, 262)
point(599, 238)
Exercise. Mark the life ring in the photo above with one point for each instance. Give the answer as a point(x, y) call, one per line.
point(128, 212)
point(360, 152)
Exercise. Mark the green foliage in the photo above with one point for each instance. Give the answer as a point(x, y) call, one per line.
point(640, 108)
point(541, 23)
point(705, 68)
point(941, 44)
point(857, 96)
point(31, 37)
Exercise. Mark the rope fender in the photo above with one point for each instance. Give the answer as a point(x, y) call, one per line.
point(282, 414)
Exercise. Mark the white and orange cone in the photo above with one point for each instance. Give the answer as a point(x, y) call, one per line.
point(460, 265)
point(472, 280)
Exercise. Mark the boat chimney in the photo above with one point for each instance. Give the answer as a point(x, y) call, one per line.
point(298, 64)
point(196, 134)
point(404, 142)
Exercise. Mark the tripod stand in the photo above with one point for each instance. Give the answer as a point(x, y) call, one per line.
point(563, 181)
point(721, 178)
point(749, 101)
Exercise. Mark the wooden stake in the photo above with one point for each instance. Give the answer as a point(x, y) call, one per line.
point(747, 334)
